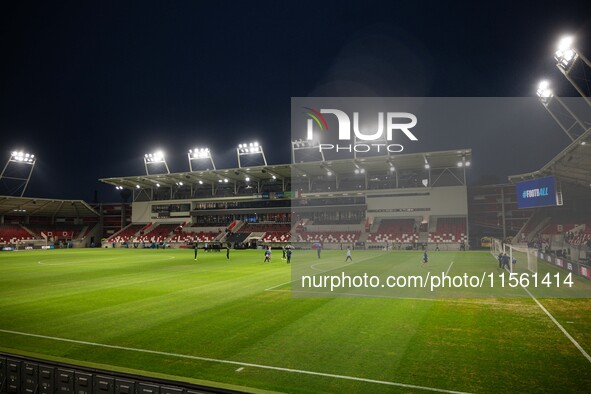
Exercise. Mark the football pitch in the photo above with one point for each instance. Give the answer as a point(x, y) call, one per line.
point(235, 323)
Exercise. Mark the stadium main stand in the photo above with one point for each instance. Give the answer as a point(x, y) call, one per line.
point(394, 230)
point(127, 233)
point(329, 236)
point(158, 233)
point(10, 234)
point(190, 237)
point(449, 230)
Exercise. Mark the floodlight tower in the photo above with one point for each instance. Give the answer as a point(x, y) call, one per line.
point(155, 158)
point(305, 146)
point(201, 154)
point(252, 148)
point(17, 159)
point(574, 66)
point(569, 122)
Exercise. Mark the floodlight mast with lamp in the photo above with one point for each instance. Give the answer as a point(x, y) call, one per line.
point(155, 158)
point(567, 58)
point(252, 148)
point(305, 146)
point(547, 97)
point(18, 159)
point(200, 154)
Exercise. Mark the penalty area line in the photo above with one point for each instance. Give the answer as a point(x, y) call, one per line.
point(448, 268)
point(238, 363)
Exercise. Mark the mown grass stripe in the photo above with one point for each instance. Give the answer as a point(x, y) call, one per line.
point(239, 363)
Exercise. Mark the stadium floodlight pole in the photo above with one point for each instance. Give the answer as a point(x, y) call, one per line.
point(155, 158)
point(253, 148)
point(547, 96)
point(305, 145)
point(199, 154)
point(568, 57)
point(18, 159)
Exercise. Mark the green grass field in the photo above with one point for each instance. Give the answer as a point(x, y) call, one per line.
point(236, 324)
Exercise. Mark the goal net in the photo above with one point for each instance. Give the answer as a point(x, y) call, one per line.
point(496, 247)
point(521, 258)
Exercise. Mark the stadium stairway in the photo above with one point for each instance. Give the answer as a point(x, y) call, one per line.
point(251, 236)
point(540, 220)
point(29, 231)
point(124, 229)
point(423, 237)
point(363, 237)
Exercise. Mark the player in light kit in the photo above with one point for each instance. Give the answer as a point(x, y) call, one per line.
point(348, 258)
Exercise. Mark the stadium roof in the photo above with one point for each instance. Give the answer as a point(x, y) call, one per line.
point(572, 165)
point(45, 207)
point(343, 167)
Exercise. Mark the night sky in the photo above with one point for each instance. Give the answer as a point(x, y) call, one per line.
point(89, 87)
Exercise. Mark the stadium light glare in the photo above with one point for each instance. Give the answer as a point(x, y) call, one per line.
point(544, 90)
point(22, 157)
point(392, 168)
point(565, 53)
point(137, 186)
point(199, 153)
point(157, 185)
point(467, 164)
point(155, 157)
point(427, 166)
point(329, 173)
point(250, 149)
point(247, 179)
point(200, 182)
point(460, 164)
point(565, 43)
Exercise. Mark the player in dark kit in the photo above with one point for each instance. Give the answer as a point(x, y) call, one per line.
point(228, 251)
point(196, 247)
point(267, 255)
point(288, 254)
point(425, 258)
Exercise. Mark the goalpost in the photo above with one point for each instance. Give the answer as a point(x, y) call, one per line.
point(521, 258)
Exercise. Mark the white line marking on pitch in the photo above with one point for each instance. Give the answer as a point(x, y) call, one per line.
point(242, 364)
point(573, 340)
point(448, 268)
